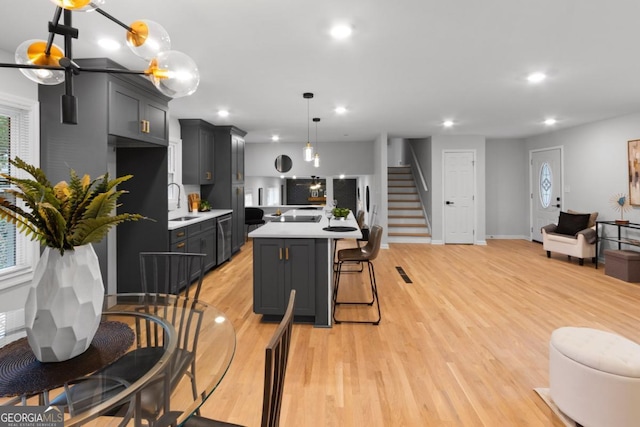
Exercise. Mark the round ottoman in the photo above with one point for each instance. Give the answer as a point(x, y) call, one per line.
point(594, 377)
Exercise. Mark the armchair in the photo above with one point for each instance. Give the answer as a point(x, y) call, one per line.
point(574, 235)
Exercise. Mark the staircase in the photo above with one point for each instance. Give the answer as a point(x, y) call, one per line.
point(407, 222)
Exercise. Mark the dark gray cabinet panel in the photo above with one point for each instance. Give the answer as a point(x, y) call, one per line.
point(196, 238)
point(237, 159)
point(90, 147)
point(136, 115)
point(280, 265)
point(197, 151)
point(228, 189)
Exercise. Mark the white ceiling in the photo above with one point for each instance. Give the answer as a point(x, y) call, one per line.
point(409, 65)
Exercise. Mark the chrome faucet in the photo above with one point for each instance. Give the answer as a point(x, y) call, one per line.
point(177, 185)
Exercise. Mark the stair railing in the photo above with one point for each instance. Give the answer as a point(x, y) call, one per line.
point(415, 167)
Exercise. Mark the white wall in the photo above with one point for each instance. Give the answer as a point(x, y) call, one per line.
point(353, 159)
point(397, 154)
point(507, 184)
point(595, 163)
point(379, 186)
point(439, 145)
point(14, 84)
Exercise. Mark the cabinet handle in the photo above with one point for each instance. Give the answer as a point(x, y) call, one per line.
point(286, 254)
point(280, 250)
point(180, 245)
point(142, 126)
point(208, 175)
point(180, 234)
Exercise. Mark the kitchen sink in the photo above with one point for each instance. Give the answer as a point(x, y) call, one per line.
point(184, 218)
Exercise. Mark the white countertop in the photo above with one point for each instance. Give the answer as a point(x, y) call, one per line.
point(198, 217)
point(308, 230)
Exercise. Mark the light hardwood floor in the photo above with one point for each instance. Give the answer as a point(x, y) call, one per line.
point(463, 345)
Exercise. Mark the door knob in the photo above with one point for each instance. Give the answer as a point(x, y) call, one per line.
point(448, 202)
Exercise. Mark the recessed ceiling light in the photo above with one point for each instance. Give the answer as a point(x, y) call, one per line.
point(109, 44)
point(223, 113)
point(341, 32)
point(275, 138)
point(341, 176)
point(550, 122)
point(340, 110)
point(281, 176)
point(294, 177)
point(536, 77)
point(447, 123)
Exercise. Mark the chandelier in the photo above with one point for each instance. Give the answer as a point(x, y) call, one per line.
point(172, 72)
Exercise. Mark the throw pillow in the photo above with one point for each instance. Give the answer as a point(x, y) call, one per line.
point(570, 224)
point(592, 217)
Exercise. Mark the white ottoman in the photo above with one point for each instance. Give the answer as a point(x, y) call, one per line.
point(594, 377)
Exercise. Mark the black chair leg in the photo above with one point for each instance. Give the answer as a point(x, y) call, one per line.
point(374, 296)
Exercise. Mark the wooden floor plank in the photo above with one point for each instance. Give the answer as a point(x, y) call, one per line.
point(463, 345)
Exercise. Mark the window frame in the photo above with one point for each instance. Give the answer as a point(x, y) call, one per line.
point(27, 111)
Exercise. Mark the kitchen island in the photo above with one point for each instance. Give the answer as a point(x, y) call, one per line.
point(295, 251)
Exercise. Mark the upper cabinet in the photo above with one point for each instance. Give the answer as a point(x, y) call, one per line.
point(237, 158)
point(197, 151)
point(137, 114)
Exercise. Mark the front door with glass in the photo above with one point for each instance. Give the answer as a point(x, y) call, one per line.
point(546, 189)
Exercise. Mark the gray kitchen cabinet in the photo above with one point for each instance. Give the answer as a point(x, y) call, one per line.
point(280, 265)
point(196, 238)
point(237, 159)
point(228, 190)
point(197, 151)
point(137, 115)
point(94, 147)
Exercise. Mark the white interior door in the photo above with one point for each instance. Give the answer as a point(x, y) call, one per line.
point(546, 189)
point(459, 197)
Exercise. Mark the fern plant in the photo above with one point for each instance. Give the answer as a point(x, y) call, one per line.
point(64, 215)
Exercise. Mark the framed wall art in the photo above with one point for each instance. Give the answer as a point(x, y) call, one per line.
point(634, 172)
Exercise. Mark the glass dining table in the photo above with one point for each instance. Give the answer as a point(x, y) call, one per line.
point(152, 354)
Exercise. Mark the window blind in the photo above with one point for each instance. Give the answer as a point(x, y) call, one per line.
point(14, 141)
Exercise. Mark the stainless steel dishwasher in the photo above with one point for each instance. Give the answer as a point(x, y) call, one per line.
point(224, 238)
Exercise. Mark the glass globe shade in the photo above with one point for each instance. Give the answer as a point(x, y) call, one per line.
point(31, 52)
point(147, 39)
point(174, 74)
point(79, 5)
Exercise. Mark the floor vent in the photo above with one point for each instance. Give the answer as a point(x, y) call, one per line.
point(403, 275)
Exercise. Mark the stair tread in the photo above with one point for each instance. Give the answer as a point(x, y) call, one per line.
point(408, 225)
point(410, 234)
point(406, 216)
point(404, 208)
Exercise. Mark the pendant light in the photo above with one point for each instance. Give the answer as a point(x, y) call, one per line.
point(316, 157)
point(308, 149)
point(173, 73)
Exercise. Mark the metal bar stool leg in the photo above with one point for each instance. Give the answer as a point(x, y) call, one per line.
point(374, 297)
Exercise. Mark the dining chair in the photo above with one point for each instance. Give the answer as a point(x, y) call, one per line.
point(161, 274)
point(363, 255)
point(275, 367)
point(172, 273)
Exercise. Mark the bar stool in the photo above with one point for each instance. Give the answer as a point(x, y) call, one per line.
point(365, 254)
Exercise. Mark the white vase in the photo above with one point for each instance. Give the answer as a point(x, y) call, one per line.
point(64, 304)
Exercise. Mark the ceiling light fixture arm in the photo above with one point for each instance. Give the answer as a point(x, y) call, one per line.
point(113, 19)
point(173, 73)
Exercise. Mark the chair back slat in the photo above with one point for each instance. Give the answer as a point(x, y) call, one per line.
point(276, 358)
point(169, 272)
